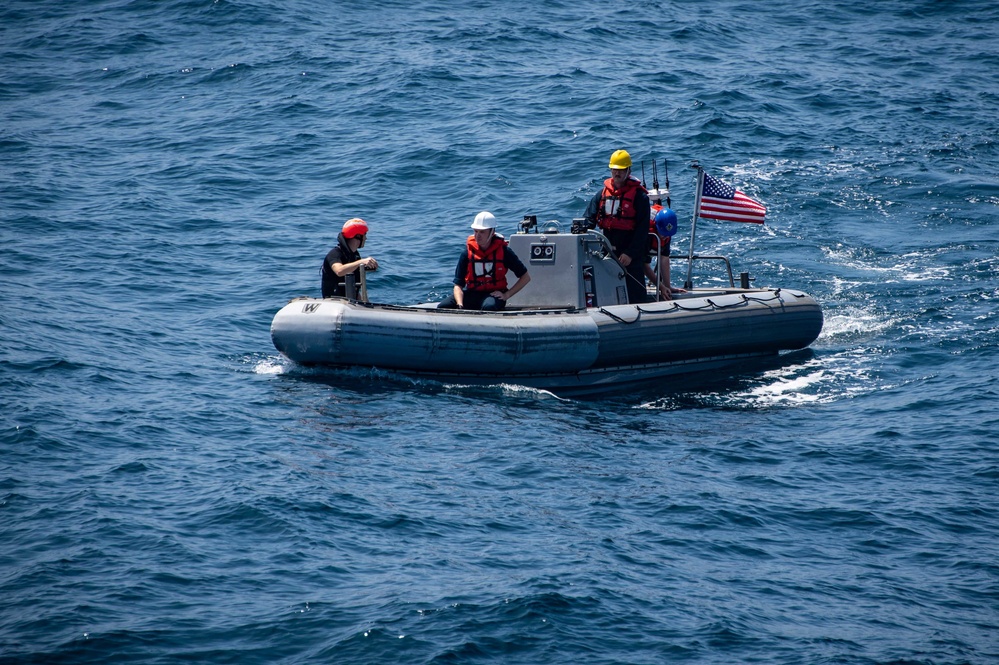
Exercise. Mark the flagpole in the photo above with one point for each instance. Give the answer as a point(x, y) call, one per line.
point(689, 284)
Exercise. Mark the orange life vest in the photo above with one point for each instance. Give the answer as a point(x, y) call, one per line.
point(656, 207)
point(662, 244)
point(617, 208)
point(486, 270)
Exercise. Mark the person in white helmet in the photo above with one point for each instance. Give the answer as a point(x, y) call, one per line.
point(480, 278)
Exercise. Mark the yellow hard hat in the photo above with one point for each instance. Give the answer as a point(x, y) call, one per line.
point(620, 160)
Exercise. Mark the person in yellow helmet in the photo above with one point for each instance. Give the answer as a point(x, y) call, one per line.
point(621, 210)
point(344, 259)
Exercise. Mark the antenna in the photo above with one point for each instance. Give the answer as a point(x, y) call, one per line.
point(666, 173)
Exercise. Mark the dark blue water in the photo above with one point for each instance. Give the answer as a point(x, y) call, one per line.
point(172, 490)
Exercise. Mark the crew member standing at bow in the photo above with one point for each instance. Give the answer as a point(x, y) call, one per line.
point(621, 210)
point(480, 277)
point(344, 259)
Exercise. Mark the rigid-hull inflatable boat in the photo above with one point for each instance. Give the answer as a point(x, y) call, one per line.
point(570, 329)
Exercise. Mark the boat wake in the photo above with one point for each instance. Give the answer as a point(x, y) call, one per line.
point(273, 365)
point(853, 321)
point(823, 379)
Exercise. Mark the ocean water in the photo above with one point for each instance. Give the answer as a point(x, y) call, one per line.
point(172, 490)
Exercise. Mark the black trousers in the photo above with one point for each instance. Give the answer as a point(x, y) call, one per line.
point(474, 300)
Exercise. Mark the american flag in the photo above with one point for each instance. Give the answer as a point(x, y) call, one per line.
point(723, 201)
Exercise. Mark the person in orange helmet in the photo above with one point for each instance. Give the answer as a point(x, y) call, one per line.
point(344, 259)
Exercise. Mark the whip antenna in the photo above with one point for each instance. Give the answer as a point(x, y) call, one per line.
point(666, 174)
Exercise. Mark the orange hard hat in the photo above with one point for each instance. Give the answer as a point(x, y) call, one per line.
point(355, 227)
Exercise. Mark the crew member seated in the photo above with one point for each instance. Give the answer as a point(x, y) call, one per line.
point(480, 276)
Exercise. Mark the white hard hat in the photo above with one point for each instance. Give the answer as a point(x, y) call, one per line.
point(484, 220)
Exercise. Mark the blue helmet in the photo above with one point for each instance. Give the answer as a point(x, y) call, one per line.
point(665, 222)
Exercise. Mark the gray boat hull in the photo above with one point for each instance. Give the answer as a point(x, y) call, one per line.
point(558, 349)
